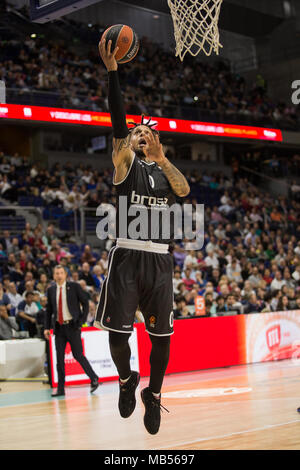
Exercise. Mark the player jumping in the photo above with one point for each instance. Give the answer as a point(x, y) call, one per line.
point(140, 271)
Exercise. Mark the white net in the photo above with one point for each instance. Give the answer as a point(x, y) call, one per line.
point(196, 26)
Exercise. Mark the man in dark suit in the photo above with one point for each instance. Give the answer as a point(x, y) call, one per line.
point(64, 312)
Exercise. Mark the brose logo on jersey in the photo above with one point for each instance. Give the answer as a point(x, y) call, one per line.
point(148, 200)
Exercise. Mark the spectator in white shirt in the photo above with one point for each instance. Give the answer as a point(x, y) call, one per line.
point(297, 249)
point(212, 245)
point(211, 260)
point(251, 238)
point(190, 260)
point(296, 273)
point(177, 279)
point(48, 195)
point(103, 261)
point(277, 282)
point(233, 271)
point(220, 232)
point(61, 194)
point(13, 295)
point(225, 199)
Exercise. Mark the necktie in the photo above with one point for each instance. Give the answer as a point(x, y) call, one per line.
point(60, 308)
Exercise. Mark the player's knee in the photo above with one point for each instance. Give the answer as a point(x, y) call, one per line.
point(160, 342)
point(118, 342)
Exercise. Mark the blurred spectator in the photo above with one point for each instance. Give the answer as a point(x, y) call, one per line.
point(43, 284)
point(277, 282)
point(92, 313)
point(98, 276)
point(176, 280)
point(27, 314)
point(182, 310)
point(232, 305)
point(4, 299)
point(255, 278)
point(14, 297)
point(220, 305)
point(41, 315)
point(187, 279)
point(87, 255)
point(86, 275)
point(283, 303)
point(253, 305)
point(8, 324)
point(233, 271)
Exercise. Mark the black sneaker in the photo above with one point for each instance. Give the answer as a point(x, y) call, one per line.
point(152, 411)
point(127, 399)
point(95, 384)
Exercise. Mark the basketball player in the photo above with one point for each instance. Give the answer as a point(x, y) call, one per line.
point(139, 271)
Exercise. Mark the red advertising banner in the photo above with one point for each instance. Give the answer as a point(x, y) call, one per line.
point(72, 116)
point(197, 343)
point(205, 343)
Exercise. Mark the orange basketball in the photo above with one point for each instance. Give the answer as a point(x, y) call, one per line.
point(125, 38)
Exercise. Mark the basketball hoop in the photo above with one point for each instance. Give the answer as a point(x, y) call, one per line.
point(196, 26)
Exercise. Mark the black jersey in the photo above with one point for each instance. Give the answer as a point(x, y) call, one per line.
point(149, 192)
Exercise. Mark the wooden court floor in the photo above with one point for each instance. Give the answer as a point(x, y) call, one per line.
point(246, 407)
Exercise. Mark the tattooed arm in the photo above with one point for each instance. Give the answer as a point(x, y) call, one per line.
point(122, 154)
point(122, 157)
point(176, 179)
point(154, 151)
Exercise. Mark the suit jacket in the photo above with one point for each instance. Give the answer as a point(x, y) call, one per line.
point(77, 301)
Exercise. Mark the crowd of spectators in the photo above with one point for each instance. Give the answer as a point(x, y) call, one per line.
point(250, 261)
point(272, 165)
point(169, 88)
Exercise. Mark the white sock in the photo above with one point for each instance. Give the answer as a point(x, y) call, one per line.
point(125, 380)
point(156, 395)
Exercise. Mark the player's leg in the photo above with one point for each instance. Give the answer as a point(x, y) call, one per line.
point(151, 395)
point(120, 353)
point(159, 359)
point(128, 379)
point(115, 313)
point(157, 307)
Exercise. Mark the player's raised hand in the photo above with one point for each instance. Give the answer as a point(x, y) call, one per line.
point(107, 55)
point(153, 148)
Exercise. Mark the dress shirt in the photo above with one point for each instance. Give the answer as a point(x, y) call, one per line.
point(66, 313)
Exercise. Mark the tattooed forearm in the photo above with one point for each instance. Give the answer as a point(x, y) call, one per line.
point(122, 152)
point(121, 144)
point(176, 179)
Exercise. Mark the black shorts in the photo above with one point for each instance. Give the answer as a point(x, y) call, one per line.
point(137, 280)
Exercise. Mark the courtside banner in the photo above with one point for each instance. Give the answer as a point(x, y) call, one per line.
point(72, 116)
point(273, 336)
point(205, 343)
point(197, 343)
point(96, 349)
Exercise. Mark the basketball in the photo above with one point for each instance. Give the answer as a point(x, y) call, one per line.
point(125, 38)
